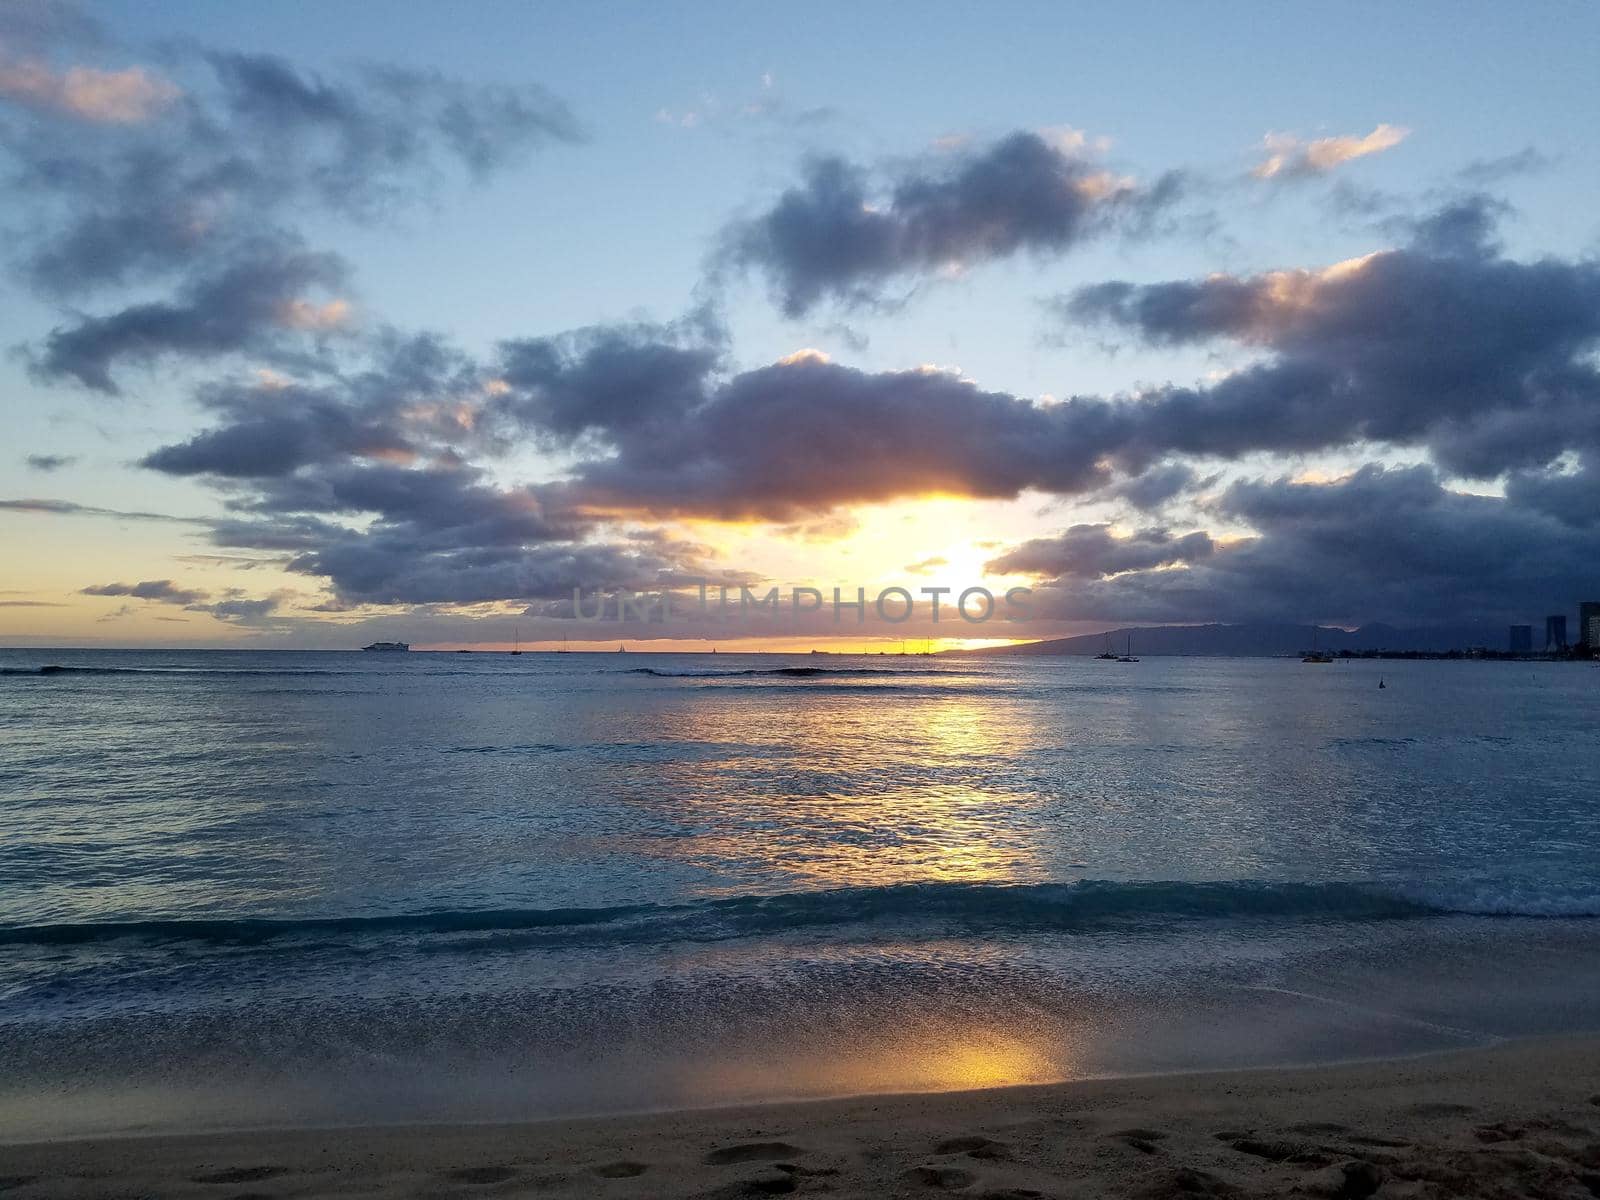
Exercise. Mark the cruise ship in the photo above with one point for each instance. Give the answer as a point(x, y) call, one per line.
point(388, 646)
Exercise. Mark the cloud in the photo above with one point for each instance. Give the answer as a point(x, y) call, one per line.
point(50, 462)
point(1289, 157)
point(1094, 551)
point(69, 508)
point(1485, 361)
point(121, 97)
point(252, 305)
point(163, 591)
point(1382, 544)
point(199, 200)
point(799, 437)
point(845, 232)
point(1445, 345)
point(1158, 484)
point(236, 607)
point(414, 398)
point(365, 481)
point(1485, 171)
point(378, 480)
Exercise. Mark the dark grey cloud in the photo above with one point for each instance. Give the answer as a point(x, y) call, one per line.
point(1384, 544)
point(164, 591)
point(608, 379)
point(193, 182)
point(50, 462)
point(234, 605)
point(1093, 551)
point(805, 435)
point(241, 609)
point(1445, 344)
point(1483, 172)
point(1571, 496)
point(364, 482)
point(846, 232)
point(1158, 484)
point(262, 304)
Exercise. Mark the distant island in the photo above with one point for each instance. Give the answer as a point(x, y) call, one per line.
point(1263, 640)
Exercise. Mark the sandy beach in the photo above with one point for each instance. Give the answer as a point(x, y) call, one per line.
point(1522, 1119)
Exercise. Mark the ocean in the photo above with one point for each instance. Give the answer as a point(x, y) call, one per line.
point(249, 889)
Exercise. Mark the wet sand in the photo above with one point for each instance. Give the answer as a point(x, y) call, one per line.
point(1521, 1119)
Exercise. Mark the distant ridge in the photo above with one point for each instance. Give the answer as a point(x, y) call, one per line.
point(1264, 640)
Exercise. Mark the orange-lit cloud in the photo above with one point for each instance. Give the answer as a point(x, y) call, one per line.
point(1288, 156)
point(105, 97)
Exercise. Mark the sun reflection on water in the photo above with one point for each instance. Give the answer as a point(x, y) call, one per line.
point(874, 787)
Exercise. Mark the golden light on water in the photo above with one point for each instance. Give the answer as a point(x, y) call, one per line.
point(948, 825)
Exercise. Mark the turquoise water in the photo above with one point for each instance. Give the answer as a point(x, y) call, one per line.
point(251, 888)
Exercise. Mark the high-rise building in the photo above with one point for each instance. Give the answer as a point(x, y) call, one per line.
point(1589, 624)
point(1555, 633)
point(1522, 639)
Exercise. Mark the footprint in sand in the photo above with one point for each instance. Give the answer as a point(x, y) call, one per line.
point(240, 1175)
point(1142, 1140)
point(748, 1152)
point(1186, 1182)
point(1282, 1152)
point(621, 1170)
point(776, 1182)
point(483, 1175)
point(951, 1179)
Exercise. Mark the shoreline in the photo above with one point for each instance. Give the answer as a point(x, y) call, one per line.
point(1520, 1114)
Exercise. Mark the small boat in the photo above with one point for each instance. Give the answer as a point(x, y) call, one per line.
point(516, 640)
point(388, 647)
point(1381, 683)
point(1128, 657)
point(1315, 655)
point(1106, 654)
point(621, 649)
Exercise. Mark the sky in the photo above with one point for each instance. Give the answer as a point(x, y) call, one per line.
point(325, 323)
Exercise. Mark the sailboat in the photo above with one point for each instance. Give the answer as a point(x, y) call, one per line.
point(1107, 653)
point(563, 649)
point(1316, 656)
point(1128, 657)
point(516, 639)
point(621, 649)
